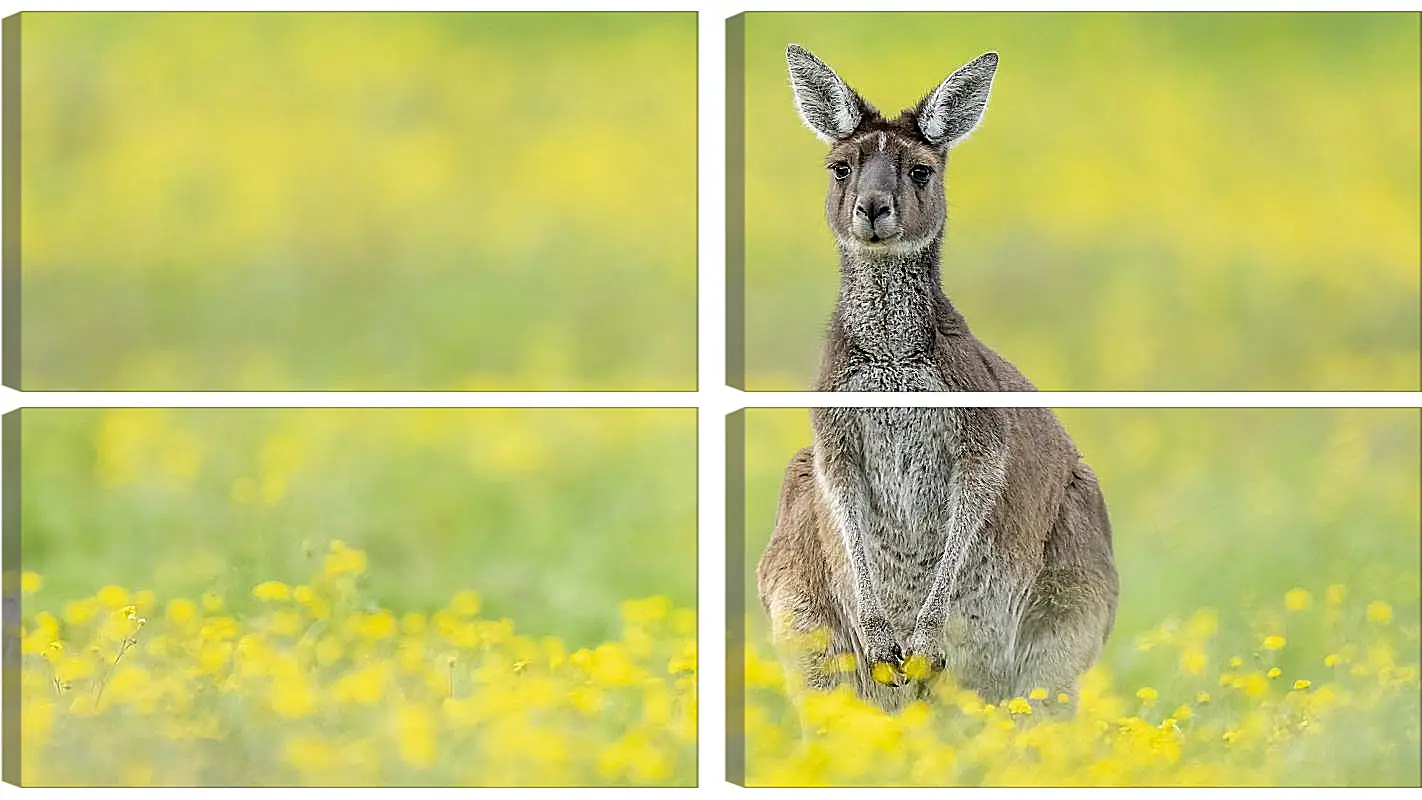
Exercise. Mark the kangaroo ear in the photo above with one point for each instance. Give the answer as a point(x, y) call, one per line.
point(826, 104)
point(951, 112)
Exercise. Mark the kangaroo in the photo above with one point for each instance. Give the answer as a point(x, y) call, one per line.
point(911, 542)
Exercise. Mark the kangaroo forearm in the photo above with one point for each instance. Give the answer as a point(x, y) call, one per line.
point(847, 501)
point(977, 489)
point(934, 612)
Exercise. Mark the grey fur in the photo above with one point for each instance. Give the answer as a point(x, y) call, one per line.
point(950, 112)
point(826, 104)
point(975, 538)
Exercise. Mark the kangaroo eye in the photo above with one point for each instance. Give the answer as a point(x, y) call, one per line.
point(920, 175)
point(840, 170)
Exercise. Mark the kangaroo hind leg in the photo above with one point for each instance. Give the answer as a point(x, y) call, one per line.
point(1073, 601)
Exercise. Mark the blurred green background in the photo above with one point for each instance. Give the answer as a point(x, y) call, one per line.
point(1219, 508)
point(554, 516)
point(1152, 202)
point(358, 201)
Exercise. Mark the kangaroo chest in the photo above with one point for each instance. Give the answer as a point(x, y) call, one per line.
point(907, 462)
point(867, 374)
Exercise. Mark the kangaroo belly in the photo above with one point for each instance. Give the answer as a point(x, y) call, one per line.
point(904, 575)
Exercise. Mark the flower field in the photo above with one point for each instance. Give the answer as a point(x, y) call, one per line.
point(318, 687)
point(1338, 708)
point(386, 597)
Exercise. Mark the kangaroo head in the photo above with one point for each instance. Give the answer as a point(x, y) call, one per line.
point(886, 192)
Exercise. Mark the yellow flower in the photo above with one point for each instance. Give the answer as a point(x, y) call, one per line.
point(883, 673)
point(1302, 684)
point(465, 635)
point(211, 602)
point(1379, 612)
point(292, 695)
point(181, 612)
point(1330, 660)
point(1063, 698)
point(1235, 662)
point(609, 665)
point(1298, 599)
point(466, 603)
point(45, 636)
point(969, 703)
point(126, 685)
point(1275, 672)
point(656, 705)
point(344, 560)
point(286, 623)
point(219, 629)
point(318, 608)
point(1336, 594)
point(646, 611)
point(635, 756)
point(30, 582)
point(365, 685)
point(1202, 698)
point(1253, 684)
point(1193, 662)
point(415, 732)
point(1037, 694)
point(112, 597)
point(80, 612)
point(587, 699)
point(1147, 696)
point(1204, 623)
point(1018, 705)
point(271, 590)
point(917, 667)
point(380, 625)
point(1274, 642)
point(212, 657)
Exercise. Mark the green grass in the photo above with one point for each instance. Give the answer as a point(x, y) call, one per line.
point(1152, 201)
point(553, 516)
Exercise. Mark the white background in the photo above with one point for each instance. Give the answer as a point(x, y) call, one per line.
point(713, 399)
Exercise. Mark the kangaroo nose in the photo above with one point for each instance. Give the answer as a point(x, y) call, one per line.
point(874, 206)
